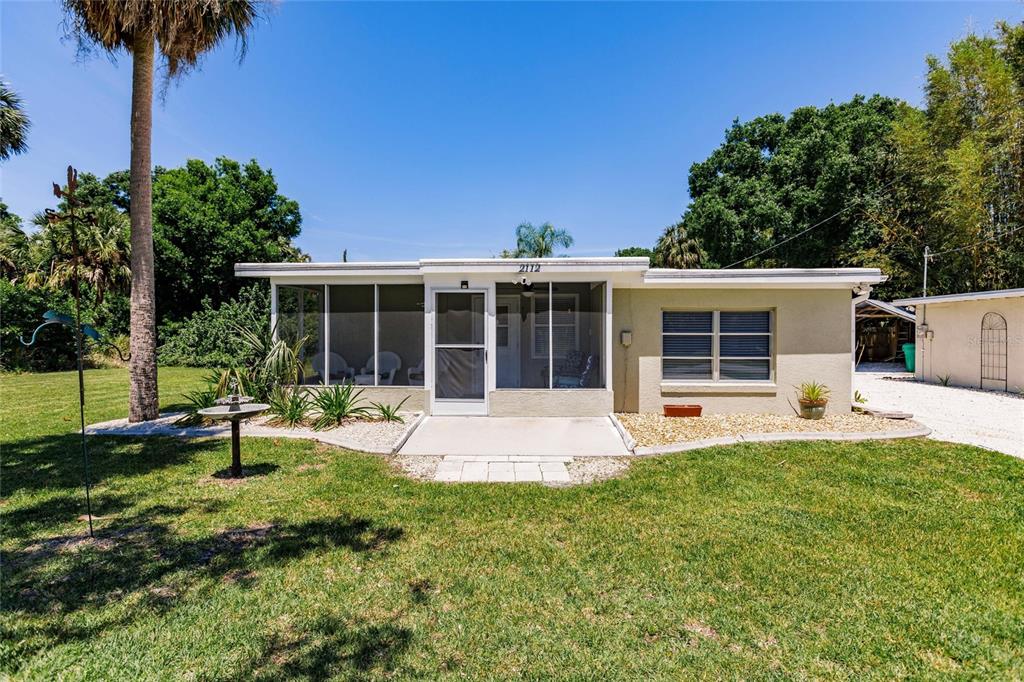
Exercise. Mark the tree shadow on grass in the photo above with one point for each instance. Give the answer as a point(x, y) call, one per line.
point(327, 648)
point(141, 555)
point(55, 462)
point(248, 471)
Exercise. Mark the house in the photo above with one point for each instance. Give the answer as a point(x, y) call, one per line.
point(973, 339)
point(569, 336)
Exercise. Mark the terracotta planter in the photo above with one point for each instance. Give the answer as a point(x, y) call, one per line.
point(812, 409)
point(682, 410)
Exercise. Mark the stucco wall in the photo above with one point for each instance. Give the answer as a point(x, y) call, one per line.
point(812, 343)
point(954, 345)
point(550, 403)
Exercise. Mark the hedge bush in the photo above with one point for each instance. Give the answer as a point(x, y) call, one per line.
point(208, 338)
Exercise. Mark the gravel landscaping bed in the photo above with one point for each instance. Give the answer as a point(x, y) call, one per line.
point(418, 467)
point(583, 470)
point(655, 429)
point(364, 435)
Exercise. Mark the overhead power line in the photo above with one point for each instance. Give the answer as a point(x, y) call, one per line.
point(977, 243)
point(819, 223)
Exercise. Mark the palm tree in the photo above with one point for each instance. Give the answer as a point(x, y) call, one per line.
point(104, 252)
point(538, 242)
point(183, 31)
point(14, 124)
point(676, 249)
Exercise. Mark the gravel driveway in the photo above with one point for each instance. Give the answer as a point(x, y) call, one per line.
point(961, 415)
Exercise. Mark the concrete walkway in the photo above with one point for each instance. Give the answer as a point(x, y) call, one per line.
point(503, 469)
point(497, 437)
point(987, 419)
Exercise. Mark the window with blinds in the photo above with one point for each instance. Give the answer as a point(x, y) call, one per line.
point(727, 345)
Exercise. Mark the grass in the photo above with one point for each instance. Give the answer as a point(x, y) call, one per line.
point(811, 560)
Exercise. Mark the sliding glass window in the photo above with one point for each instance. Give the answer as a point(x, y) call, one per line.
point(550, 335)
point(300, 315)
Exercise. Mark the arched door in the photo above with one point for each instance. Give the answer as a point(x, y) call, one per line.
point(993, 351)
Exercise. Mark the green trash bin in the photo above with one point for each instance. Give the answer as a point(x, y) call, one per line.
point(908, 355)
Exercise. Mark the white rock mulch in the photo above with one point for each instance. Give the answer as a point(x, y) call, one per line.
point(988, 419)
point(363, 435)
point(656, 430)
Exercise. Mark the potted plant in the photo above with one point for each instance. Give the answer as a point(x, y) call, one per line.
point(813, 398)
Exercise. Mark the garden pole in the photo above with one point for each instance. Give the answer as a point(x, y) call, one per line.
point(72, 182)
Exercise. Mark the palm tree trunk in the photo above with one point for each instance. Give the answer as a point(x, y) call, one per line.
point(143, 401)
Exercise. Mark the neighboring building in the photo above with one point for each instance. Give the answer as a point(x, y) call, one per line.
point(569, 336)
point(976, 339)
point(882, 331)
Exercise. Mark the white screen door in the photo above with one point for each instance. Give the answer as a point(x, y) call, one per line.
point(460, 354)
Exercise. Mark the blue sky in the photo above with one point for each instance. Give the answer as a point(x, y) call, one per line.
point(431, 130)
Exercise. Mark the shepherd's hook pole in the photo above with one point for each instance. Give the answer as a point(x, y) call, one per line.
point(924, 289)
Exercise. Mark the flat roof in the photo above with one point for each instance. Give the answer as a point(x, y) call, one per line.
point(968, 296)
point(889, 309)
point(766, 276)
point(640, 267)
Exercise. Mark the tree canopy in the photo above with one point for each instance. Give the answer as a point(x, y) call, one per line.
point(205, 219)
point(538, 241)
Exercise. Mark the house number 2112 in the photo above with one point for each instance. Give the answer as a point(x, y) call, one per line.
point(529, 267)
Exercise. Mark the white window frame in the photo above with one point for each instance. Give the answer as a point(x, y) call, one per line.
point(550, 325)
point(715, 356)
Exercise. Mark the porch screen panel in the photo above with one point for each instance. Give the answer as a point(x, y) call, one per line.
point(578, 324)
point(516, 363)
point(400, 334)
point(351, 326)
point(300, 314)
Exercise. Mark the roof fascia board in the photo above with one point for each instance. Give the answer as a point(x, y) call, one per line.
point(952, 298)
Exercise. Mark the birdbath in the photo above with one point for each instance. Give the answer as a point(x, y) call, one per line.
point(234, 408)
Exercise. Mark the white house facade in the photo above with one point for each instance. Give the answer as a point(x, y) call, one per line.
point(568, 336)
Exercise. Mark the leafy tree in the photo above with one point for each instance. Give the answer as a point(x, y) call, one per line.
point(209, 338)
point(961, 169)
point(184, 31)
point(207, 218)
point(14, 124)
point(538, 242)
point(634, 252)
point(14, 244)
point(774, 177)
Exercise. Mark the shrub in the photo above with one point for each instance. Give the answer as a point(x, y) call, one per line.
point(198, 400)
point(336, 403)
point(21, 311)
point(389, 413)
point(209, 338)
point(289, 406)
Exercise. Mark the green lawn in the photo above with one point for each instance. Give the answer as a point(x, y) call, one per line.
point(812, 560)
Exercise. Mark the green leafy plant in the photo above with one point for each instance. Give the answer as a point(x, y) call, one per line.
point(289, 406)
point(859, 398)
point(813, 392)
point(197, 400)
point(389, 413)
point(337, 403)
point(944, 379)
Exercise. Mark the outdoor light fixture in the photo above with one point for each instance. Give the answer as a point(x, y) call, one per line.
point(464, 284)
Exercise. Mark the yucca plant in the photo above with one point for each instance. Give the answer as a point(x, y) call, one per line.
point(289, 406)
point(389, 413)
point(813, 397)
point(337, 403)
point(197, 400)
